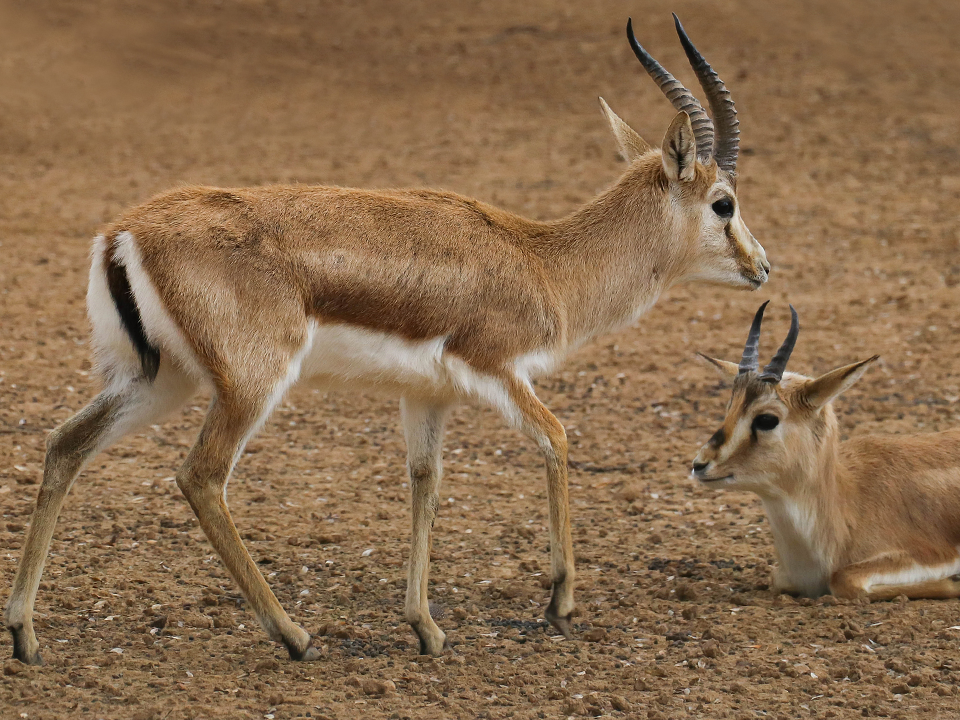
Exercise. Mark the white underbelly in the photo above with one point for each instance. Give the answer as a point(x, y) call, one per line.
point(346, 356)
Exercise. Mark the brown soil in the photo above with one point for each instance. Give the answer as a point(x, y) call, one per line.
point(850, 178)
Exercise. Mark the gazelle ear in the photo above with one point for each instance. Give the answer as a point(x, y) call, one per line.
point(825, 388)
point(631, 144)
point(725, 368)
point(679, 149)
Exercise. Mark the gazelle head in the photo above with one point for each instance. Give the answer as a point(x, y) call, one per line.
point(778, 425)
point(698, 173)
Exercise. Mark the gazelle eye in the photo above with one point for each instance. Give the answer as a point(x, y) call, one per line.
point(765, 422)
point(723, 207)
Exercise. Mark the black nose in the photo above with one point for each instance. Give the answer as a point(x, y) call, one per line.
point(697, 466)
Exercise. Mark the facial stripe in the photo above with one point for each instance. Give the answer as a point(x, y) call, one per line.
point(718, 438)
point(741, 252)
point(735, 431)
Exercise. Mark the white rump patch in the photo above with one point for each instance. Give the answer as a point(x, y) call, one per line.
point(159, 327)
point(113, 352)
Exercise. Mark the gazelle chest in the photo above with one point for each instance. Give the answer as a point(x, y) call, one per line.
point(803, 552)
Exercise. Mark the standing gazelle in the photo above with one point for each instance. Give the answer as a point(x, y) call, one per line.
point(876, 515)
point(426, 294)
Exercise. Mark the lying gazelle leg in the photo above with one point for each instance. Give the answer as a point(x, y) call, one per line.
point(780, 584)
point(110, 416)
point(539, 424)
point(203, 479)
point(423, 428)
point(930, 589)
point(852, 581)
point(885, 577)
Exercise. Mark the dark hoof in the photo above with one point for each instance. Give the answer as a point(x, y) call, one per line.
point(425, 647)
point(20, 648)
point(425, 650)
point(562, 623)
point(34, 659)
point(306, 655)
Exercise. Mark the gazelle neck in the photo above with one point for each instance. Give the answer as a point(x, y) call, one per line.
point(807, 518)
point(611, 259)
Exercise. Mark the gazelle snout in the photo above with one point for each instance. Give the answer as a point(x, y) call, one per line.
point(731, 254)
point(705, 463)
point(753, 258)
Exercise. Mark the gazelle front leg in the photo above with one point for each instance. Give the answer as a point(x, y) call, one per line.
point(540, 425)
point(423, 429)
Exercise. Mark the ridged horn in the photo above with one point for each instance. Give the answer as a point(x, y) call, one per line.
point(727, 135)
point(751, 351)
point(681, 98)
point(773, 373)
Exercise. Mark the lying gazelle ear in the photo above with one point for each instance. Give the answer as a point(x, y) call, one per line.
point(726, 369)
point(631, 144)
point(679, 149)
point(825, 388)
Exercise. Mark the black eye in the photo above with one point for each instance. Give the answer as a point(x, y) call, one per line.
point(723, 207)
point(765, 422)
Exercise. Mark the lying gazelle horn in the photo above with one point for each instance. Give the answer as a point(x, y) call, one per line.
point(751, 351)
point(773, 373)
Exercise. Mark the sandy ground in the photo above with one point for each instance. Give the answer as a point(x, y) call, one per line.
point(850, 178)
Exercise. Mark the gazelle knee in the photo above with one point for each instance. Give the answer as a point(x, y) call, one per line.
point(552, 443)
point(189, 485)
point(62, 461)
point(56, 452)
point(423, 473)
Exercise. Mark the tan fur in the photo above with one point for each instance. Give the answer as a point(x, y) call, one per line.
point(876, 515)
point(423, 264)
point(233, 285)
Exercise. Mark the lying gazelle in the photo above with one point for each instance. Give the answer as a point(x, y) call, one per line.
point(876, 515)
point(426, 294)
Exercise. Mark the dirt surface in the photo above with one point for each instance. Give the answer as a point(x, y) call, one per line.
point(850, 179)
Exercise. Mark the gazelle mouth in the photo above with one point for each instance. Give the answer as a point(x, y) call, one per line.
point(713, 480)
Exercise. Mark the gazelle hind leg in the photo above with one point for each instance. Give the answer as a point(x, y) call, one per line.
point(125, 408)
point(930, 589)
point(203, 479)
point(423, 429)
point(538, 423)
point(893, 574)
